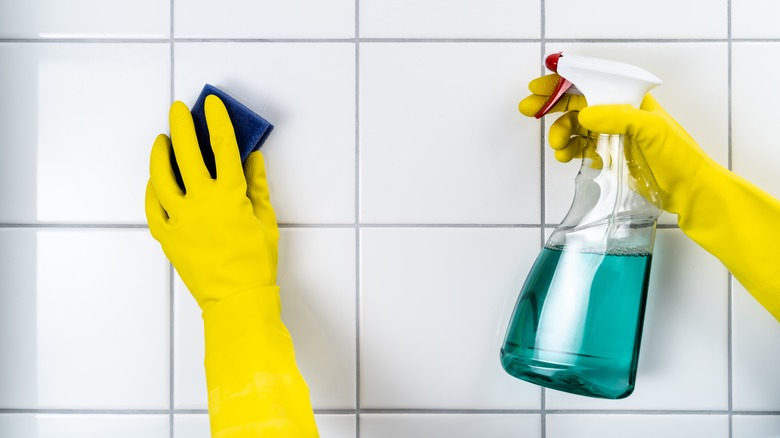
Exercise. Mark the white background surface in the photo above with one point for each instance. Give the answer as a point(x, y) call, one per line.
point(413, 199)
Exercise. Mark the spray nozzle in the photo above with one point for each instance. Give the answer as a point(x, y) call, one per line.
point(600, 81)
point(551, 62)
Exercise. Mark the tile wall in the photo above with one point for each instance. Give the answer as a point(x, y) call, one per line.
point(412, 196)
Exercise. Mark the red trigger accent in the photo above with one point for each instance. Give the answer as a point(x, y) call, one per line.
point(552, 61)
point(560, 89)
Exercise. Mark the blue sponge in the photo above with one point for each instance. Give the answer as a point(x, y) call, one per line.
point(251, 129)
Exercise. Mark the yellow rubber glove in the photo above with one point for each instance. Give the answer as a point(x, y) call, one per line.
point(726, 215)
point(221, 236)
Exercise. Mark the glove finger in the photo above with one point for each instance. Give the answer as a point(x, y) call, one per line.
point(155, 213)
point(531, 105)
point(161, 174)
point(185, 146)
point(569, 102)
point(563, 129)
point(572, 150)
point(223, 143)
point(257, 190)
point(544, 85)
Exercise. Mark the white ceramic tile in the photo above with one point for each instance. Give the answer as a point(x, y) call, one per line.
point(756, 426)
point(317, 281)
point(189, 376)
point(317, 276)
point(449, 425)
point(442, 141)
point(640, 426)
point(83, 426)
point(85, 18)
point(83, 320)
point(684, 353)
point(756, 384)
point(450, 19)
point(431, 331)
point(755, 19)
point(307, 91)
point(78, 122)
point(336, 426)
point(696, 96)
point(328, 425)
point(265, 19)
point(755, 146)
point(191, 426)
point(636, 19)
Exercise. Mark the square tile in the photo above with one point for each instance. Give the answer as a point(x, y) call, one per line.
point(81, 143)
point(431, 305)
point(307, 91)
point(702, 109)
point(191, 426)
point(755, 19)
point(189, 376)
point(328, 425)
point(685, 327)
point(442, 141)
point(449, 425)
point(450, 19)
point(336, 426)
point(754, 144)
point(84, 426)
point(83, 320)
point(264, 19)
point(641, 426)
point(85, 19)
point(664, 19)
point(756, 426)
point(317, 280)
point(755, 381)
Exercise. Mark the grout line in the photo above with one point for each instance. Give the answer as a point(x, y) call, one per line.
point(729, 307)
point(171, 375)
point(305, 226)
point(282, 225)
point(647, 412)
point(171, 276)
point(380, 225)
point(64, 411)
point(160, 412)
point(66, 225)
point(382, 40)
point(543, 204)
point(265, 40)
point(357, 220)
point(85, 40)
point(397, 411)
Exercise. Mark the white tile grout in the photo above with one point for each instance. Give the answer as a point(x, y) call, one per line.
point(98, 226)
point(358, 266)
point(171, 272)
point(382, 40)
point(543, 203)
point(729, 306)
point(166, 412)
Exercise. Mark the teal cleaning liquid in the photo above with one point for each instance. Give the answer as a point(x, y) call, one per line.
point(577, 323)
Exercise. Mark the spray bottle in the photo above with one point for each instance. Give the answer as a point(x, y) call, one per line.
point(577, 324)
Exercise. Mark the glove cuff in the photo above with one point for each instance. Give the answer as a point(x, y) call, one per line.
point(736, 222)
point(254, 385)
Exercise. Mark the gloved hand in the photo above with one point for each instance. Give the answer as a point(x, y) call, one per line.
point(726, 215)
point(221, 236)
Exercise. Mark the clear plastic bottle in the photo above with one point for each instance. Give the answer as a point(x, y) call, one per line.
point(577, 324)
